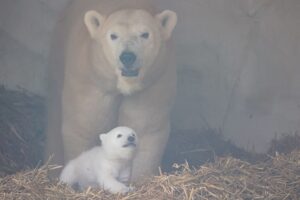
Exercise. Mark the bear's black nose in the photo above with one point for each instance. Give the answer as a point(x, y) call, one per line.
point(131, 139)
point(127, 58)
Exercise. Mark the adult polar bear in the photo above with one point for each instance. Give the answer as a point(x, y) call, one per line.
point(111, 65)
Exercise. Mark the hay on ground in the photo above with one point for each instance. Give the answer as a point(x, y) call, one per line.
point(226, 178)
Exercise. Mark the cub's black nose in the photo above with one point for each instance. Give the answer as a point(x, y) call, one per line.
point(131, 139)
point(127, 58)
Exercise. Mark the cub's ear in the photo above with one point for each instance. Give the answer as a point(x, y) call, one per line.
point(102, 137)
point(93, 20)
point(168, 21)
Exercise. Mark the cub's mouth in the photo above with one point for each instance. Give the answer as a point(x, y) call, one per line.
point(129, 144)
point(129, 72)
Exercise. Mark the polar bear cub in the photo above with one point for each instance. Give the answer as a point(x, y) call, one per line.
point(108, 166)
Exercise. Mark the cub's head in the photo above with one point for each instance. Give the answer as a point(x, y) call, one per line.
point(131, 41)
point(120, 143)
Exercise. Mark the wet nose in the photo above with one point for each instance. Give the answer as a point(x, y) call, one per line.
point(127, 58)
point(131, 139)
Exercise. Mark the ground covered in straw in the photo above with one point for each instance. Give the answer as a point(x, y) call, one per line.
point(226, 178)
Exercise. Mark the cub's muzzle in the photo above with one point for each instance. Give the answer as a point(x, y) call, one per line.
point(130, 142)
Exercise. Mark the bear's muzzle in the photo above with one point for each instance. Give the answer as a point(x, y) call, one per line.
point(128, 59)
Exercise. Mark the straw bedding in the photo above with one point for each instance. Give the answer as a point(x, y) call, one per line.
point(226, 178)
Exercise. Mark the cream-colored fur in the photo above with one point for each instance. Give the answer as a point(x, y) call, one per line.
point(93, 94)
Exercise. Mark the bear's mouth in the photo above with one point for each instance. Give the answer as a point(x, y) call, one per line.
point(130, 72)
point(129, 144)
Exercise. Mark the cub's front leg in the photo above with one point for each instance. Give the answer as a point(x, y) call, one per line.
point(111, 184)
point(125, 175)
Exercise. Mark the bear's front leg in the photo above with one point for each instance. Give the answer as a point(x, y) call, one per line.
point(152, 127)
point(86, 113)
point(150, 152)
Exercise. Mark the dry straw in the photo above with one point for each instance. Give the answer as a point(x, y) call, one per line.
point(226, 178)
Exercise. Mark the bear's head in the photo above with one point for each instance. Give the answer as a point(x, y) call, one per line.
point(131, 41)
point(119, 143)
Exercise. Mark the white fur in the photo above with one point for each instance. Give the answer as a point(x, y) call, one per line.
point(107, 166)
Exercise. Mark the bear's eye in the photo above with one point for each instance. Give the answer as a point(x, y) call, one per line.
point(145, 35)
point(119, 135)
point(113, 36)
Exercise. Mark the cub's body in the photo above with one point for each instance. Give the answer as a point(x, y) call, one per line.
point(107, 166)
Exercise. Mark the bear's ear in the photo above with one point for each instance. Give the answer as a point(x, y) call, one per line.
point(168, 21)
point(93, 20)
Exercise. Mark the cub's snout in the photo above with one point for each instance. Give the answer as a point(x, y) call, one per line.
point(131, 138)
point(131, 141)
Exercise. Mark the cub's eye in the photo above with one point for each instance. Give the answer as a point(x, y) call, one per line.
point(119, 135)
point(113, 36)
point(145, 35)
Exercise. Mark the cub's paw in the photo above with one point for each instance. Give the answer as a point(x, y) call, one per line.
point(131, 188)
point(123, 189)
